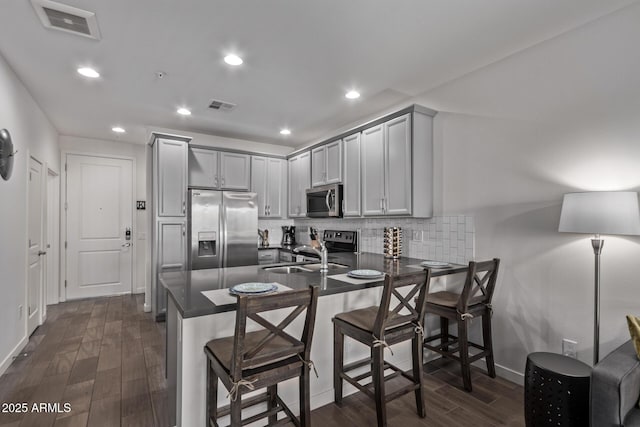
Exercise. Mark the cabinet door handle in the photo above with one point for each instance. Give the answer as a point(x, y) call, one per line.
point(269, 210)
point(343, 206)
point(215, 181)
point(223, 181)
point(184, 230)
point(184, 207)
point(382, 204)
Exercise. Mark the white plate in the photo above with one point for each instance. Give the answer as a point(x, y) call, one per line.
point(253, 288)
point(365, 274)
point(435, 264)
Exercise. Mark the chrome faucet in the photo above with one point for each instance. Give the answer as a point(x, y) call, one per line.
point(324, 255)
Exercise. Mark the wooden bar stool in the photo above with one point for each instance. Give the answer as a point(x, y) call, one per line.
point(378, 327)
point(474, 301)
point(249, 361)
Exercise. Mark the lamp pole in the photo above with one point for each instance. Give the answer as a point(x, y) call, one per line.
point(597, 244)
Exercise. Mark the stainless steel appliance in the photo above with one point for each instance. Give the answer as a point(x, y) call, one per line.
point(335, 241)
point(222, 228)
point(288, 235)
point(325, 201)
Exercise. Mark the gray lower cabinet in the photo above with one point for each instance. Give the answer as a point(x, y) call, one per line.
point(268, 256)
point(351, 183)
point(269, 182)
point(170, 255)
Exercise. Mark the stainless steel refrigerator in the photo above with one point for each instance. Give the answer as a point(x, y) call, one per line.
point(222, 229)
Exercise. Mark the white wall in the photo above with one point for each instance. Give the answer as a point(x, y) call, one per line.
point(559, 117)
point(32, 134)
point(80, 145)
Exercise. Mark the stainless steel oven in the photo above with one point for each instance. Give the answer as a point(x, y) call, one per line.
point(325, 201)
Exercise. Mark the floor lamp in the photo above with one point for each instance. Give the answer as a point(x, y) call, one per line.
point(600, 212)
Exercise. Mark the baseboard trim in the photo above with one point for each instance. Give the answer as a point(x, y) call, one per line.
point(7, 360)
point(502, 371)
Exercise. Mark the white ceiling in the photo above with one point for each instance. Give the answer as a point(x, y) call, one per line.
point(301, 56)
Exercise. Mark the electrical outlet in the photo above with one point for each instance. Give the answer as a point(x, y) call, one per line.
point(19, 312)
point(570, 348)
point(417, 236)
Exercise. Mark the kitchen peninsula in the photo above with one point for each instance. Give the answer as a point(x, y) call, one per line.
point(193, 320)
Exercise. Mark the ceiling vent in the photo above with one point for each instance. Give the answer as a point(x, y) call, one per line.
point(216, 104)
point(66, 18)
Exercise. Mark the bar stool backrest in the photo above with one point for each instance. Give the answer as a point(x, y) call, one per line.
point(250, 307)
point(480, 284)
point(410, 308)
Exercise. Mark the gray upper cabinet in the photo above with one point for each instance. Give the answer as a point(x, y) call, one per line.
point(386, 168)
point(351, 190)
point(171, 182)
point(219, 169)
point(203, 168)
point(397, 199)
point(373, 170)
point(235, 171)
point(326, 164)
point(268, 180)
point(299, 182)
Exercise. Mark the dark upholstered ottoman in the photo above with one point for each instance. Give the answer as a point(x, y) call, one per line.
point(556, 391)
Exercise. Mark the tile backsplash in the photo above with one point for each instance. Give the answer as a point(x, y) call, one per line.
point(442, 238)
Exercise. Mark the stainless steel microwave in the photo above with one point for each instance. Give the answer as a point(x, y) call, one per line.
point(325, 201)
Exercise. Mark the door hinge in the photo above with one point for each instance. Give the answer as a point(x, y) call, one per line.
point(65, 283)
point(65, 244)
point(65, 167)
point(29, 310)
point(66, 206)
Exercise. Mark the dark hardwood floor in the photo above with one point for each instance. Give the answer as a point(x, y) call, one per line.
point(105, 357)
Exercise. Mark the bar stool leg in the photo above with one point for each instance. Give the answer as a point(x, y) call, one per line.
point(464, 353)
point(272, 402)
point(444, 332)
point(338, 363)
point(417, 357)
point(236, 410)
point(305, 398)
point(212, 395)
point(488, 343)
point(377, 355)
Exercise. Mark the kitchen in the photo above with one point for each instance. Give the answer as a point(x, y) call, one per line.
point(526, 99)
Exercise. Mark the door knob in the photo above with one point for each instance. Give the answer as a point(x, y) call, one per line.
point(126, 245)
point(40, 253)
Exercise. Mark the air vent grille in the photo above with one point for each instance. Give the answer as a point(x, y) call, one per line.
point(65, 18)
point(221, 105)
point(67, 21)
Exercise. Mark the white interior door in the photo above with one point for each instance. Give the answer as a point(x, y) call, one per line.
point(36, 250)
point(99, 214)
point(52, 220)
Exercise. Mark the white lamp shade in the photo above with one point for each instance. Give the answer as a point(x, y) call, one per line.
point(600, 212)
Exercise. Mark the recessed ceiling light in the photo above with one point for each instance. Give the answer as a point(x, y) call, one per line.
point(285, 132)
point(232, 59)
point(118, 129)
point(88, 72)
point(184, 111)
point(352, 94)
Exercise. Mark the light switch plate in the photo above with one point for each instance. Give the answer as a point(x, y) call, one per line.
point(570, 348)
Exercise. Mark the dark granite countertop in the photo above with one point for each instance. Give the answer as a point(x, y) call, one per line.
point(185, 287)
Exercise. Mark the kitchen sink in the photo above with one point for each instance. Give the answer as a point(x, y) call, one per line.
point(332, 266)
point(287, 269)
